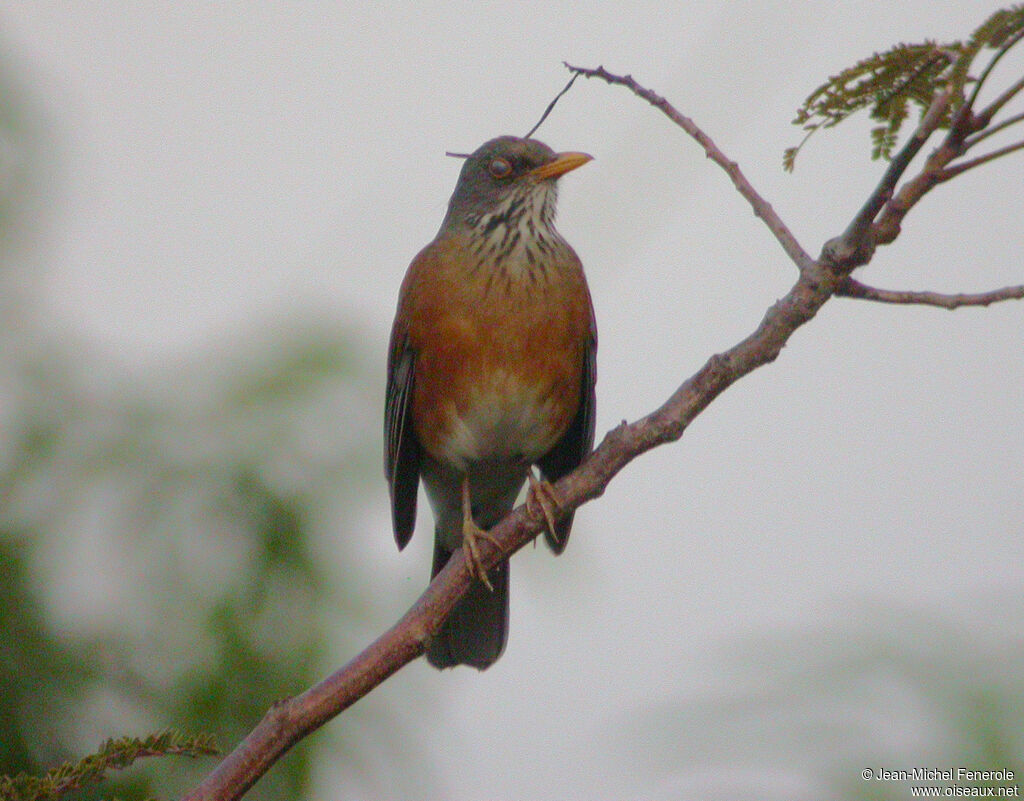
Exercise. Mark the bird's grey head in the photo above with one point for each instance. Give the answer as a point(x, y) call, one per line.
point(509, 182)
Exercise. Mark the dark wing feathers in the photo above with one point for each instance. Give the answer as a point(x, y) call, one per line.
point(575, 445)
point(401, 450)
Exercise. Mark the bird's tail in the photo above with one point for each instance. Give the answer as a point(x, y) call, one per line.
point(477, 627)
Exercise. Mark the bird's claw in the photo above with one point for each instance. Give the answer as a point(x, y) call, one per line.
point(471, 532)
point(542, 494)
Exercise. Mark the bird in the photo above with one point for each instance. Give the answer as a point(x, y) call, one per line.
point(491, 371)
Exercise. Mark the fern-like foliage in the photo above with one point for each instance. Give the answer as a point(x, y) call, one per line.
point(906, 75)
point(112, 755)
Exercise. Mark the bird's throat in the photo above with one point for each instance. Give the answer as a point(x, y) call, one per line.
point(518, 236)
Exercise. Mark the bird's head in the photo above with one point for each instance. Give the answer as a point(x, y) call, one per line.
point(509, 183)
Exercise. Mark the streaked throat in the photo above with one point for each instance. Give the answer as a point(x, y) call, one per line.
point(519, 233)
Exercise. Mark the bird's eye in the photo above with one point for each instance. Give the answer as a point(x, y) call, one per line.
point(500, 168)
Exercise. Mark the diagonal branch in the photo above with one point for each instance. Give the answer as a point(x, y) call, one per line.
point(985, 116)
point(974, 139)
point(291, 720)
point(856, 245)
point(993, 108)
point(886, 227)
point(955, 169)
point(849, 288)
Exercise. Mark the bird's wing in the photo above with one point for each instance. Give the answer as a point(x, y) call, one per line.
point(401, 449)
point(577, 442)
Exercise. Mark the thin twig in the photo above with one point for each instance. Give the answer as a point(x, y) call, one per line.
point(994, 107)
point(761, 207)
point(980, 136)
point(985, 116)
point(955, 169)
point(850, 288)
point(551, 105)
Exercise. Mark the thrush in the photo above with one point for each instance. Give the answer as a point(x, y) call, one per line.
point(491, 371)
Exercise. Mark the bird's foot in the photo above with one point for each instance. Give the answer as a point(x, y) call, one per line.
point(471, 533)
point(541, 494)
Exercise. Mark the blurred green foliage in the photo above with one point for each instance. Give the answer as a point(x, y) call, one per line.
point(176, 543)
point(114, 754)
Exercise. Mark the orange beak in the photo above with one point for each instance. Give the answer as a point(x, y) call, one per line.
point(563, 163)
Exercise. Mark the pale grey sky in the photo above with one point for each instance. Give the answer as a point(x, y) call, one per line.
point(219, 163)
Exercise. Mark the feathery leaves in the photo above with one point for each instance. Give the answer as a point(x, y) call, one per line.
point(112, 755)
point(906, 75)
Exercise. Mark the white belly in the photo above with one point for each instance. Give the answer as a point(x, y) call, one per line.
point(507, 420)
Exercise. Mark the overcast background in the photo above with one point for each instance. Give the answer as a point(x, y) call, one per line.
point(217, 167)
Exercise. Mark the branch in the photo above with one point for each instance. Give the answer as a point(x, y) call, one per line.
point(291, 720)
point(993, 108)
point(985, 117)
point(965, 131)
point(964, 166)
point(972, 140)
point(818, 280)
point(761, 207)
point(856, 245)
point(849, 288)
point(887, 227)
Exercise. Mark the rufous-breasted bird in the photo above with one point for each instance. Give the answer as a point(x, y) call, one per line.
point(491, 370)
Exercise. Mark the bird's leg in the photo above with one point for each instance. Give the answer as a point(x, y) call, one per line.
point(542, 494)
point(471, 532)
